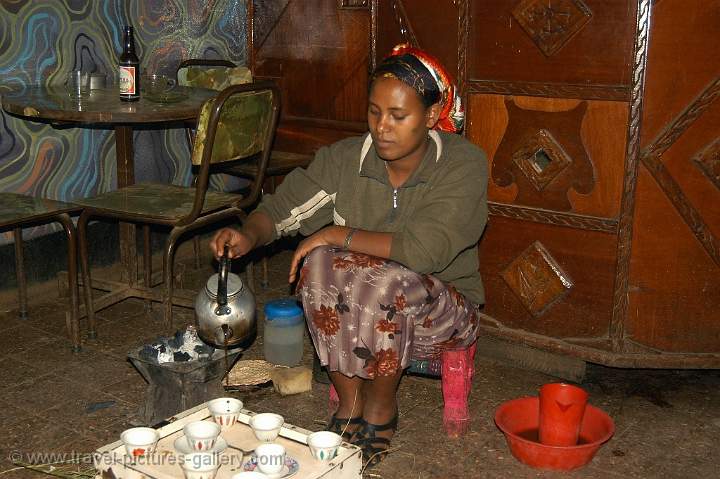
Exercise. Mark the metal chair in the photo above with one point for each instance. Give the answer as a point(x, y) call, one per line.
point(213, 74)
point(19, 211)
point(237, 125)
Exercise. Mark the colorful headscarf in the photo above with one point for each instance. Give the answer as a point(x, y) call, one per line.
point(426, 75)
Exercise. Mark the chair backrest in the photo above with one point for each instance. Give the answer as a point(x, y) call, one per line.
point(211, 74)
point(238, 124)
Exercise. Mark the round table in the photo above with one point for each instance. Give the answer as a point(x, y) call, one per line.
point(103, 107)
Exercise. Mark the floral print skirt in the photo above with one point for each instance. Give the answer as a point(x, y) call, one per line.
point(369, 316)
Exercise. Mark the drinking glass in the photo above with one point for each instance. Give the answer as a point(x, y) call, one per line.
point(78, 84)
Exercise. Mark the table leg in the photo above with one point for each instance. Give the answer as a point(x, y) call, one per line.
point(20, 273)
point(126, 177)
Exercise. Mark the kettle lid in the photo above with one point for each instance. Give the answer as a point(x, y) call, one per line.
point(234, 284)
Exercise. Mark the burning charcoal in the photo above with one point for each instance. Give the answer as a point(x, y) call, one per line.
point(176, 341)
point(191, 335)
point(149, 353)
point(204, 351)
point(179, 356)
point(165, 357)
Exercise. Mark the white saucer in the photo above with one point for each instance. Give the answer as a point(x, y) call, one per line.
point(291, 467)
point(181, 445)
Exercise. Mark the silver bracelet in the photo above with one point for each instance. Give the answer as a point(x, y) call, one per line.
point(348, 238)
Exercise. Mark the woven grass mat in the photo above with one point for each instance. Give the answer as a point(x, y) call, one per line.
point(250, 372)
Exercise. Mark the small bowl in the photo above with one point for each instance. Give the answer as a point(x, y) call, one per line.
point(324, 445)
point(201, 435)
point(519, 420)
point(225, 411)
point(139, 441)
point(200, 465)
point(157, 84)
point(266, 426)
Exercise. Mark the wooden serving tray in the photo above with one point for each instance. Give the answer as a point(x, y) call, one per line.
point(112, 462)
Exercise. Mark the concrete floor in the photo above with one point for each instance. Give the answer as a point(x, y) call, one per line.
point(667, 421)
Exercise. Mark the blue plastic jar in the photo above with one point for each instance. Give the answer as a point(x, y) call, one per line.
point(284, 332)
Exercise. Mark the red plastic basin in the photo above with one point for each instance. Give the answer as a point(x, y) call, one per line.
point(519, 420)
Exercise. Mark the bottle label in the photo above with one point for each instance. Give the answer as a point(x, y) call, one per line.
point(127, 80)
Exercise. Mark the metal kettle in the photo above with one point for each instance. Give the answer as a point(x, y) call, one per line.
point(225, 309)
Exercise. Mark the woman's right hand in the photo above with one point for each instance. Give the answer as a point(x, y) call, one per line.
point(239, 243)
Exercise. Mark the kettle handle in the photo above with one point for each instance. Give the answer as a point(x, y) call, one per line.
point(222, 308)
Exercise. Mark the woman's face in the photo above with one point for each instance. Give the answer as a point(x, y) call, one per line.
point(398, 120)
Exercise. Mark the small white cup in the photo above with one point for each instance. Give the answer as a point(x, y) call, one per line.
point(201, 435)
point(200, 465)
point(225, 411)
point(324, 445)
point(266, 426)
point(270, 458)
point(139, 441)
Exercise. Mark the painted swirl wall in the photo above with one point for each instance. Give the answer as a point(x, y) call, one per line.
point(41, 40)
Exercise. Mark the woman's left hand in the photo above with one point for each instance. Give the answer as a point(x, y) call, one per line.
point(324, 237)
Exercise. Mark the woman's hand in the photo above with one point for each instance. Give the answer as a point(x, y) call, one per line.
point(325, 237)
point(240, 243)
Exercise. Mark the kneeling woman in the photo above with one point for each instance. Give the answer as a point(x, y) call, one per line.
point(395, 277)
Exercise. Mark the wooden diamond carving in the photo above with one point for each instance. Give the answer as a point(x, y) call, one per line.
point(541, 159)
point(537, 279)
point(551, 23)
point(708, 161)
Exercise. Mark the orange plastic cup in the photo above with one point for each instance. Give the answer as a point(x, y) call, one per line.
point(562, 407)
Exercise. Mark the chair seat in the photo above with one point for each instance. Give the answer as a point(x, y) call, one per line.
point(166, 203)
point(17, 209)
point(281, 163)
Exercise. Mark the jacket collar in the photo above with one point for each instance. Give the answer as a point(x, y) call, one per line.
point(372, 166)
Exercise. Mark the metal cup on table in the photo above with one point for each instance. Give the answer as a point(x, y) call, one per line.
point(98, 81)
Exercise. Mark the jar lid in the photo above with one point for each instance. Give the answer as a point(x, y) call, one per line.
point(234, 284)
point(282, 308)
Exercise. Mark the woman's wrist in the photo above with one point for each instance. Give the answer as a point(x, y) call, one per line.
point(255, 228)
point(348, 238)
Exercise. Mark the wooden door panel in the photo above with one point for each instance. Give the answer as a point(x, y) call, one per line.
point(674, 293)
point(591, 134)
point(586, 259)
point(581, 50)
point(682, 62)
point(693, 163)
point(320, 62)
point(433, 23)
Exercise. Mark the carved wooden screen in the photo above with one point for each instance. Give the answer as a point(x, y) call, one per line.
point(603, 236)
point(600, 126)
